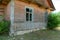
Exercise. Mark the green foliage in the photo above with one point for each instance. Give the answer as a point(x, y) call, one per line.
point(58, 14)
point(52, 21)
point(4, 26)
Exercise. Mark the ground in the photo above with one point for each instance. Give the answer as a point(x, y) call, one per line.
point(37, 35)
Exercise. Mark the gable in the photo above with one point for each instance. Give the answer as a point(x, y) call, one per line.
point(51, 4)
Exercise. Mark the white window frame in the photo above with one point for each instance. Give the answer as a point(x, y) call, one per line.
point(32, 11)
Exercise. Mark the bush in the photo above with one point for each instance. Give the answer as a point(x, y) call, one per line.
point(4, 27)
point(52, 21)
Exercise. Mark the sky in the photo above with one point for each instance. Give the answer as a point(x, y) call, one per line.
point(57, 5)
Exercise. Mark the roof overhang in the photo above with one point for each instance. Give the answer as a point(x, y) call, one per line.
point(52, 8)
point(42, 3)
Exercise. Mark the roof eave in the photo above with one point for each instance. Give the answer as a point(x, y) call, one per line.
point(51, 5)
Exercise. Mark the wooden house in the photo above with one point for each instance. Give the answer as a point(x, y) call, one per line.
point(26, 14)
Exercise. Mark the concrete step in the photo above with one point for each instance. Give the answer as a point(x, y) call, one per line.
point(25, 31)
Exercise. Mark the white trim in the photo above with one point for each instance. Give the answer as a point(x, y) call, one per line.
point(12, 17)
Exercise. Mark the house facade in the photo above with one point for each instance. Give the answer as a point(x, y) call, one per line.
point(27, 14)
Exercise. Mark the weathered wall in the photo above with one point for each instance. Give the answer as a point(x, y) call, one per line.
point(2, 12)
point(2, 8)
point(7, 12)
point(20, 11)
point(20, 17)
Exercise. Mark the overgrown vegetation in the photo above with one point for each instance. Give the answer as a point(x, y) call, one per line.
point(58, 14)
point(4, 26)
point(53, 21)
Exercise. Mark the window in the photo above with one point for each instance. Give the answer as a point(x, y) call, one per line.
point(28, 14)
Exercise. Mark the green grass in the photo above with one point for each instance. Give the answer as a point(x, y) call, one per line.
point(5, 37)
point(37, 35)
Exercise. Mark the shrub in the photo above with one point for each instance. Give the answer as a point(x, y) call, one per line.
point(52, 21)
point(4, 27)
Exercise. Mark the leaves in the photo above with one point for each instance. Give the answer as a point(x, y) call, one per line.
point(52, 21)
point(4, 26)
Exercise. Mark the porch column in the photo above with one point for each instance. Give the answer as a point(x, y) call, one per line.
point(12, 17)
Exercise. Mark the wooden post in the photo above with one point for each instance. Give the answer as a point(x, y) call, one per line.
point(12, 17)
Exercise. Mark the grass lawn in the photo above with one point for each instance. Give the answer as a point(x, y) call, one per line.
point(37, 35)
point(3, 37)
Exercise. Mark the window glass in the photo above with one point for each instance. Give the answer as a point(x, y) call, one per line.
point(28, 14)
point(27, 9)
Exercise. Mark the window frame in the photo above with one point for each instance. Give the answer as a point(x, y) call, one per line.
point(31, 13)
